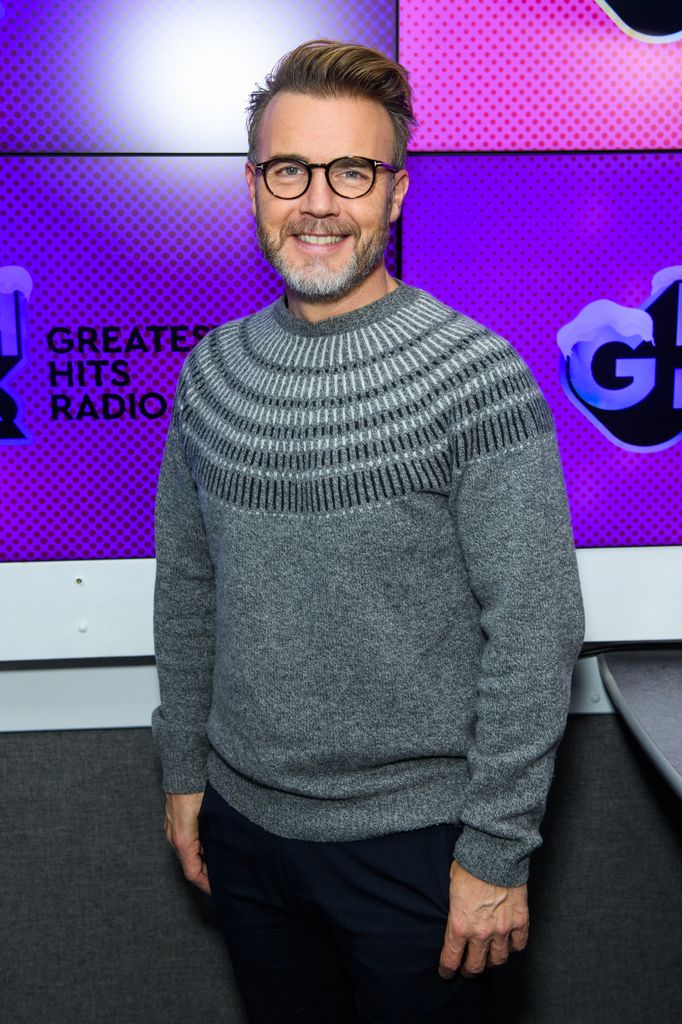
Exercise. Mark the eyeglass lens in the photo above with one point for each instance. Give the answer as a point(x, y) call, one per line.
point(351, 178)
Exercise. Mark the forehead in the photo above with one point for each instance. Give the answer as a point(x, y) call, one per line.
point(321, 128)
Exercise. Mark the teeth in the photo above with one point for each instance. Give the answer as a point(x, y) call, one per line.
point(320, 239)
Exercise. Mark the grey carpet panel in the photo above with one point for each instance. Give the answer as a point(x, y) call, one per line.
point(605, 894)
point(97, 924)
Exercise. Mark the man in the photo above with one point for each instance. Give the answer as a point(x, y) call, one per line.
point(367, 607)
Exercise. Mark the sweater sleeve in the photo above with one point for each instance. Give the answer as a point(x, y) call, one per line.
point(184, 621)
point(511, 513)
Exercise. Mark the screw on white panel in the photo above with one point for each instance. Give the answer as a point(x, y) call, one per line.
point(79, 581)
point(595, 698)
point(82, 627)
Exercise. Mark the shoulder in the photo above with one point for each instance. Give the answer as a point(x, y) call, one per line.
point(472, 358)
point(492, 400)
point(207, 367)
point(468, 342)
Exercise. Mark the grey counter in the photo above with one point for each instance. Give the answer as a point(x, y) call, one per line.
point(646, 688)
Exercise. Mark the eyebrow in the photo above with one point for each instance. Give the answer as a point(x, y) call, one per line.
point(289, 156)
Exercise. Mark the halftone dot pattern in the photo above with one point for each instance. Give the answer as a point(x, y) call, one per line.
point(118, 243)
point(522, 243)
point(154, 75)
point(536, 75)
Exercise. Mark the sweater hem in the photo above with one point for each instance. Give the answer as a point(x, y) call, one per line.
point(316, 819)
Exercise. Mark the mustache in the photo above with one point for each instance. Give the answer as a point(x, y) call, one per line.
point(322, 227)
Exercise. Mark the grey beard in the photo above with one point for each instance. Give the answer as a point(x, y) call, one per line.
point(318, 283)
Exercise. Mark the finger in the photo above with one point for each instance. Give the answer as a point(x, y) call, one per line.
point(205, 883)
point(498, 951)
point(518, 939)
point(477, 954)
point(194, 870)
point(451, 955)
point(202, 881)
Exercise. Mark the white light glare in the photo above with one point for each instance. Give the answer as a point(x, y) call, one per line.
point(180, 75)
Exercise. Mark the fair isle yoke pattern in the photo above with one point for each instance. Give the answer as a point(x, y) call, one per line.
point(282, 416)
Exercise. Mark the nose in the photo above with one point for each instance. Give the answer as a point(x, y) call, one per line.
point(319, 199)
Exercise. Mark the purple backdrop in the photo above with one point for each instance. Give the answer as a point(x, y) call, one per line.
point(154, 75)
point(152, 249)
point(523, 243)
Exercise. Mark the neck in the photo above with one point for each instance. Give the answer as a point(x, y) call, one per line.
point(375, 286)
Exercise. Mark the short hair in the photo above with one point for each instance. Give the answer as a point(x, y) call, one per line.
point(324, 67)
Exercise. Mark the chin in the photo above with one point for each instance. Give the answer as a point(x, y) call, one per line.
point(320, 287)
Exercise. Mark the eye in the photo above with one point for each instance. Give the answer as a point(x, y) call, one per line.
point(286, 170)
point(352, 172)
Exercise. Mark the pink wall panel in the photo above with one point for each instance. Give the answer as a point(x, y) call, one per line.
point(535, 75)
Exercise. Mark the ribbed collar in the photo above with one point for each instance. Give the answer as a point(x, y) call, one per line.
point(373, 313)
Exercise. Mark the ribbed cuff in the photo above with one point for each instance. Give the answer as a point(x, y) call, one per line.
point(492, 859)
point(183, 753)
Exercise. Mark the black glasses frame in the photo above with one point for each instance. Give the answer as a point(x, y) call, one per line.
point(264, 164)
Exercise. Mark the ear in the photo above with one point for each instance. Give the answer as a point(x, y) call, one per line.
point(400, 186)
point(250, 175)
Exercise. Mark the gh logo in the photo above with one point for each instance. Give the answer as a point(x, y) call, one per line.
point(622, 367)
point(15, 288)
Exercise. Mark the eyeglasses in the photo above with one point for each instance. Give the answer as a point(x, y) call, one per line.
point(349, 176)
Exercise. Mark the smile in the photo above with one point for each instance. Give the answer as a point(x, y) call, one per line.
point(321, 239)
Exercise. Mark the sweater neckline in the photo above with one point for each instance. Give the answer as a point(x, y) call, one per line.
point(365, 316)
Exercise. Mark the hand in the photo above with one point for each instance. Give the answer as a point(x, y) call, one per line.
point(489, 921)
point(181, 825)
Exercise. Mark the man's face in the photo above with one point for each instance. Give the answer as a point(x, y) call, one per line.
point(325, 246)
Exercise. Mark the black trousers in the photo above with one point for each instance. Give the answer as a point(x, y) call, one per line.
point(337, 932)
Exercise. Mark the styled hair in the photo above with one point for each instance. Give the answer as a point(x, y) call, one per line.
point(325, 68)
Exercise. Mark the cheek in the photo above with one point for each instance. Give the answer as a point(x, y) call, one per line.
point(369, 221)
point(270, 218)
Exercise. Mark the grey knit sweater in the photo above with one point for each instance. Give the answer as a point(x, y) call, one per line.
point(367, 606)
